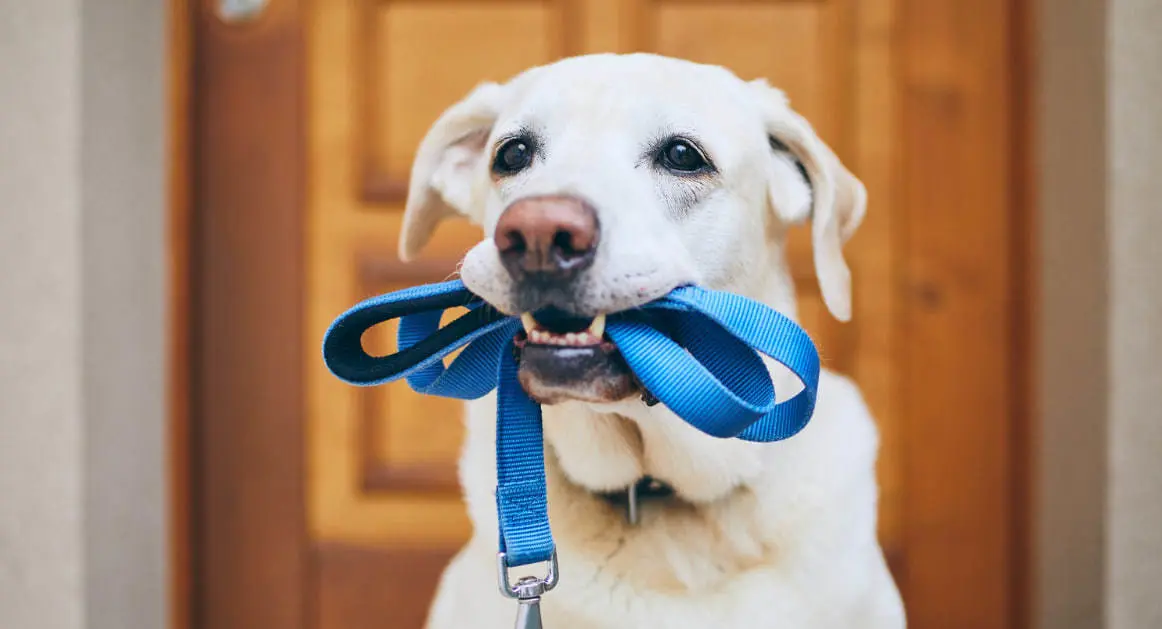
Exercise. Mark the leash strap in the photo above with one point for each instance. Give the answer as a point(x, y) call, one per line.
point(695, 350)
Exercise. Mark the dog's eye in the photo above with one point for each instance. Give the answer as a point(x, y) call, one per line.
point(513, 156)
point(682, 156)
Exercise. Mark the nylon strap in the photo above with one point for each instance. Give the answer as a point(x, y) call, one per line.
point(695, 350)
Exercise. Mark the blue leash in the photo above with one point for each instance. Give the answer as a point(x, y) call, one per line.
point(695, 350)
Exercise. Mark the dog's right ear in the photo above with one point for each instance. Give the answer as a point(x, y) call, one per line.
point(441, 183)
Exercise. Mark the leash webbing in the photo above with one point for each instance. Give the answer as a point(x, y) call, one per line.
point(695, 350)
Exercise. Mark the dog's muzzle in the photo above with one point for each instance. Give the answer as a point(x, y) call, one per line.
point(546, 244)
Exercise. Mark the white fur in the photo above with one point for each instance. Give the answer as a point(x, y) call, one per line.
point(767, 535)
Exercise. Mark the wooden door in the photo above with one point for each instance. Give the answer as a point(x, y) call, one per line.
point(910, 94)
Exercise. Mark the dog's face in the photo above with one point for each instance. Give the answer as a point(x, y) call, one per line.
point(603, 182)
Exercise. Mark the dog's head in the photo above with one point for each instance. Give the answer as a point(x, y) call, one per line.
point(603, 182)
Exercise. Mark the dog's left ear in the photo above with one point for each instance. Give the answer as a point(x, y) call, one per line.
point(839, 200)
point(442, 181)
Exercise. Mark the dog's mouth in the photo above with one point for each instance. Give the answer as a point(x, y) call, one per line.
point(566, 357)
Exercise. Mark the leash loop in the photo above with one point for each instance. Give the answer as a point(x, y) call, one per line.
point(695, 350)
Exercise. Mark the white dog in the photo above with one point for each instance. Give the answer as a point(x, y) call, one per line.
point(604, 182)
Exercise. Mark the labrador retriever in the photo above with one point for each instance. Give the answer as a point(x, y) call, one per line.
point(602, 182)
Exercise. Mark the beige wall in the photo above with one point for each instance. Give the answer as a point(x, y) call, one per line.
point(81, 315)
point(1134, 505)
point(1099, 526)
point(41, 427)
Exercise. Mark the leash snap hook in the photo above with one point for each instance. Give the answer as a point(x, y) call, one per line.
point(527, 591)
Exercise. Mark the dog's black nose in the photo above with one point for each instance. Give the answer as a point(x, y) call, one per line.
point(549, 238)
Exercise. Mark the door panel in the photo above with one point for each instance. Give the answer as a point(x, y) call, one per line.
point(413, 59)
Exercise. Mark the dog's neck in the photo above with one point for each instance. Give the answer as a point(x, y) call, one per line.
point(675, 543)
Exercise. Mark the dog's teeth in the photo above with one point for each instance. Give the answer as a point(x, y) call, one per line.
point(540, 336)
point(597, 328)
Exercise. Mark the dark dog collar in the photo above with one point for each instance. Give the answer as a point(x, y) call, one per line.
point(646, 489)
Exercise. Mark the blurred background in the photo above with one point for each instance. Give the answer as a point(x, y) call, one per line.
point(190, 190)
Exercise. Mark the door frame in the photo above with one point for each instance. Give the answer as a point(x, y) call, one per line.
point(237, 185)
point(235, 399)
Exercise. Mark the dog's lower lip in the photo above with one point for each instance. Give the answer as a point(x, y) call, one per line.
point(551, 373)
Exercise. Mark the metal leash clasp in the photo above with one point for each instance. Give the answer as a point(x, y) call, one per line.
point(527, 591)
